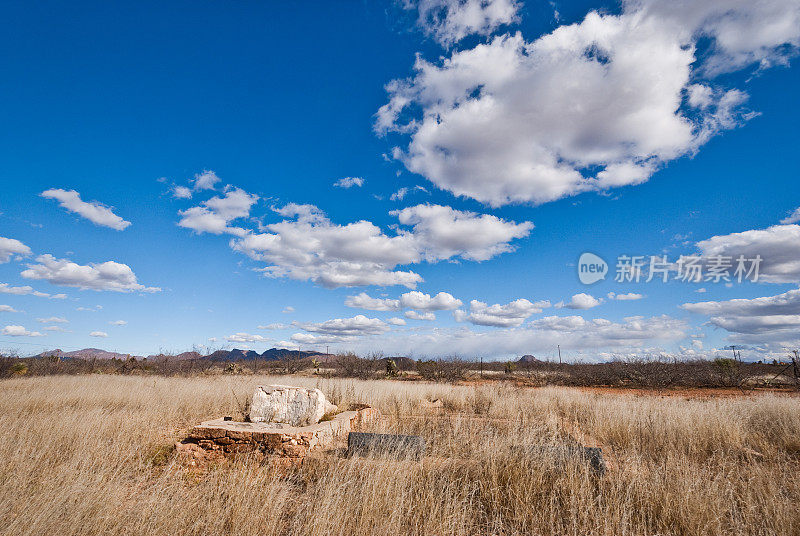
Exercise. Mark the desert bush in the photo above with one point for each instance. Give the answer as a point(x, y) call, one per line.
point(443, 370)
point(351, 366)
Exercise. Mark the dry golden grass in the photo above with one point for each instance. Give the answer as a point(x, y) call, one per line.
point(91, 455)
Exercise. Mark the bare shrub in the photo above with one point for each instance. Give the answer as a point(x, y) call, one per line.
point(351, 366)
point(443, 370)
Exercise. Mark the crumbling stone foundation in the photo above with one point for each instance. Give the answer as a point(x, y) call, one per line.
point(274, 440)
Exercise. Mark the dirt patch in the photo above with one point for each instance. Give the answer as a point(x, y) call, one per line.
point(690, 393)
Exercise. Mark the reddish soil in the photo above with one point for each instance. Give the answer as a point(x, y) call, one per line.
point(691, 392)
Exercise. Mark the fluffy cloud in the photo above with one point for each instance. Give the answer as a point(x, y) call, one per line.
point(339, 330)
point(53, 320)
point(414, 315)
point(769, 318)
point(308, 246)
point(206, 180)
point(5, 288)
point(580, 301)
point(108, 275)
point(411, 300)
point(365, 301)
point(590, 106)
point(396, 321)
point(118, 323)
point(10, 247)
point(181, 192)
point(20, 331)
point(7, 309)
point(624, 297)
point(95, 212)
point(423, 302)
point(316, 340)
point(511, 314)
point(214, 215)
point(245, 337)
point(794, 217)
point(443, 232)
point(357, 326)
point(99, 334)
point(288, 310)
point(449, 21)
point(787, 303)
point(349, 182)
point(778, 246)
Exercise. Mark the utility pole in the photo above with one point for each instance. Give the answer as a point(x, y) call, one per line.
point(559, 354)
point(481, 366)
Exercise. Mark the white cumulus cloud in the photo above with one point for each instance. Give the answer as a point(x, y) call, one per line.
point(107, 275)
point(599, 104)
point(206, 180)
point(20, 331)
point(53, 320)
point(580, 301)
point(181, 192)
point(245, 337)
point(778, 246)
point(768, 318)
point(443, 232)
point(7, 309)
point(409, 300)
point(214, 215)
point(449, 21)
point(10, 247)
point(94, 211)
point(357, 325)
point(99, 334)
point(794, 217)
point(424, 302)
point(365, 301)
point(5, 288)
point(308, 246)
point(414, 315)
point(511, 314)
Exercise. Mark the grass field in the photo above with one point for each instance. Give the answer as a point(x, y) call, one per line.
point(92, 455)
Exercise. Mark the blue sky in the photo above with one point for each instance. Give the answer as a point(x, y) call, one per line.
point(487, 146)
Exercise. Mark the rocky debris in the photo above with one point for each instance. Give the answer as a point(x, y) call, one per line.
point(295, 406)
point(400, 446)
point(221, 437)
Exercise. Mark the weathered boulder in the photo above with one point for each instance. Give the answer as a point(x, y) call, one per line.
point(295, 406)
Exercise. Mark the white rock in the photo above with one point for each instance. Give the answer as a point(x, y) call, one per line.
point(295, 406)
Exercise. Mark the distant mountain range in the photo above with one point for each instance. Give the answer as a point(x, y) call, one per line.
point(273, 354)
point(86, 353)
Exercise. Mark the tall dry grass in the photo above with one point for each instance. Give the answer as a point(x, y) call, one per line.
point(90, 455)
